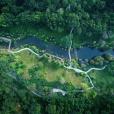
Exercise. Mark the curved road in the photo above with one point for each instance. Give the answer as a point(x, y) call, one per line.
point(68, 67)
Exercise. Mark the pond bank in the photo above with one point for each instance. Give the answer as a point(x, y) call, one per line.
point(82, 53)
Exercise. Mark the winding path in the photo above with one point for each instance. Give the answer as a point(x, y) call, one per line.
point(25, 49)
point(70, 67)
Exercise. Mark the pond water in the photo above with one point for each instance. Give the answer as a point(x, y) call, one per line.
point(83, 53)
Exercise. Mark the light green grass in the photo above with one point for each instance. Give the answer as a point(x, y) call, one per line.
point(103, 79)
point(48, 71)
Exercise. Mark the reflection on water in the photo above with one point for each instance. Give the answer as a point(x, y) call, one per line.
point(83, 53)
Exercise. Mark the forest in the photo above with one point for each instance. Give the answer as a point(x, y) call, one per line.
point(92, 21)
point(87, 23)
point(15, 98)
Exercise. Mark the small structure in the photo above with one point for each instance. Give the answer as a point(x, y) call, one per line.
point(55, 90)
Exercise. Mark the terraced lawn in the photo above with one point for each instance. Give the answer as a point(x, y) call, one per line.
point(103, 79)
point(48, 70)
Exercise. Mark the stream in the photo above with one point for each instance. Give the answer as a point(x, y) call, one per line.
point(82, 53)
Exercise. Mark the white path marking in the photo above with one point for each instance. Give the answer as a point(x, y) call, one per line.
point(79, 70)
point(54, 90)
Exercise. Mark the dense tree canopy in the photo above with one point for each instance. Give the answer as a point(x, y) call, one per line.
point(89, 19)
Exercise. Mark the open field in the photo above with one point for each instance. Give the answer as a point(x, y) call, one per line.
point(48, 70)
point(103, 79)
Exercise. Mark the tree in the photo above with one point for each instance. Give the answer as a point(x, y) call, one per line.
point(72, 21)
point(111, 68)
point(3, 22)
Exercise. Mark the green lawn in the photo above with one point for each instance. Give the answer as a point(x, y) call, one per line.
point(103, 79)
point(48, 70)
point(51, 72)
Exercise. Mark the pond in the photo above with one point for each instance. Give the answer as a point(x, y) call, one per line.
point(82, 53)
